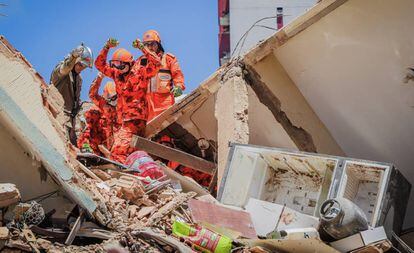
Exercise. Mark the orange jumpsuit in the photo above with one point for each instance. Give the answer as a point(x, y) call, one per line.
point(93, 134)
point(159, 94)
point(132, 108)
point(109, 118)
point(202, 178)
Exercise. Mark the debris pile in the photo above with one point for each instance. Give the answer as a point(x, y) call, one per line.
point(268, 200)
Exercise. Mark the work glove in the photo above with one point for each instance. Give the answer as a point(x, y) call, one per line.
point(138, 44)
point(77, 52)
point(177, 91)
point(111, 42)
point(86, 148)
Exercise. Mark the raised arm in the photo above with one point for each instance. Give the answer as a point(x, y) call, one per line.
point(64, 67)
point(97, 99)
point(101, 61)
point(154, 61)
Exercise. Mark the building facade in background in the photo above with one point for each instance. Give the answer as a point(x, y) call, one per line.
point(244, 23)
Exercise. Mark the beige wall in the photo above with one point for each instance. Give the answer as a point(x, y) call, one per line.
point(201, 123)
point(350, 66)
point(293, 104)
point(18, 167)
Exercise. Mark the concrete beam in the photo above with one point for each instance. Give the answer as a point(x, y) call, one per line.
point(231, 112)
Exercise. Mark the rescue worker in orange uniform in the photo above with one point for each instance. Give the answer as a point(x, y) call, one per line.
point(107, 105)
point(93, 134)
point(202, 178)
point(131, 85)
point(167, 83)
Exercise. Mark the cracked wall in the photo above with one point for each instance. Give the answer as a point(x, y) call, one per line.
point(279, 105)
point(302, 139)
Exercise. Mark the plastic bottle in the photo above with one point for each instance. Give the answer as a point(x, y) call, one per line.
point(201, 238)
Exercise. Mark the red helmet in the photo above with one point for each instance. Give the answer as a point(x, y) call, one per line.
point(122, 55)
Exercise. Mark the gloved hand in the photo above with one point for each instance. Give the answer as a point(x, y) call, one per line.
point(77, 52)
point(138, 44)
point(86, 148)
point(111, 42)
point(177, 91)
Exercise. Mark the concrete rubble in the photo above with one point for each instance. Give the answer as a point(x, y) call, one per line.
point(260, 200)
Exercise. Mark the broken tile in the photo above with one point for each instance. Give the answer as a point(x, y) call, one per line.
point(146, 210)
point(4, 233)
point(221, 216)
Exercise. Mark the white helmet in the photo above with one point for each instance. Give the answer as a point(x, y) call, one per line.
point(86, 57)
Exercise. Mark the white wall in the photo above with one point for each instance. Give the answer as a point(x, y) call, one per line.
point(244, 13)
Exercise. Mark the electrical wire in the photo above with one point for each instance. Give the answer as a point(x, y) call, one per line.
point(268, 27)
point(244, 36)
point(42, 197)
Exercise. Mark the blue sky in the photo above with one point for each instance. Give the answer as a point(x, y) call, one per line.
point(46, 31)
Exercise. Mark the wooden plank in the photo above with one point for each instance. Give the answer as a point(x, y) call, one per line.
point(75, 229)
point(173, 155)
point(87, 171)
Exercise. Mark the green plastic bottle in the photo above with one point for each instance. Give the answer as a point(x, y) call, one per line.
point(202, 239)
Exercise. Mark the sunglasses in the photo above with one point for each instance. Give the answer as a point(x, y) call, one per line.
point(150, 43)
point(117, 64)
point(113, 98)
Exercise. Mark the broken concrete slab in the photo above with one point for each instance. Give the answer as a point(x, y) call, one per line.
point(24, 117)
point(9, 194)
point(360, 239)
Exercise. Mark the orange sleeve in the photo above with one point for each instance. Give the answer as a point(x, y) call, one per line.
point(176, 73)
point(84, 137)
point(98, 100)
point(102, 66)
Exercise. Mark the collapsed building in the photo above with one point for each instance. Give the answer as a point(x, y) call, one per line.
point(329, 82)
point(302, 89)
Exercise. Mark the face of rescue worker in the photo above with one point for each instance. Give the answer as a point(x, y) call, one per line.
point(112, 100)
point(79, 67)
point(125, 69)
point(152, 46)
